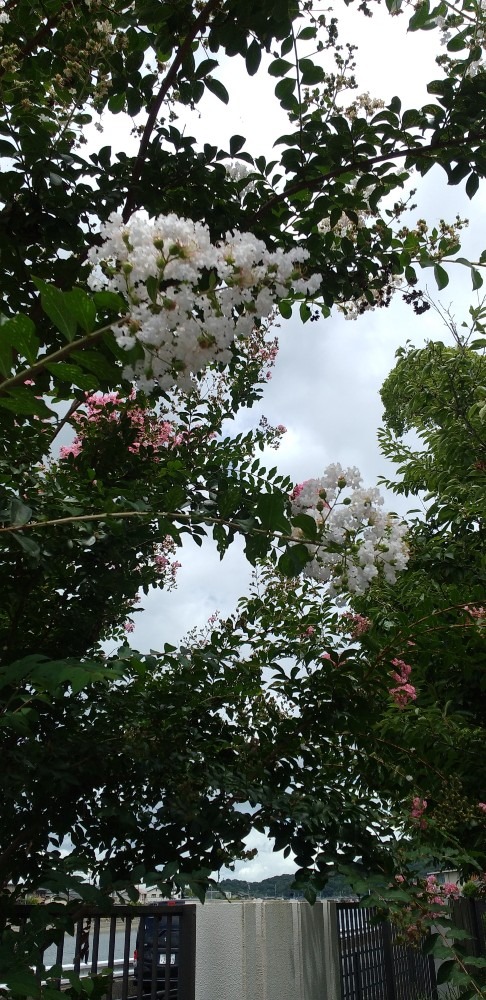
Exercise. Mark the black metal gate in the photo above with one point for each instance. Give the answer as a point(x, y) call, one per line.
point(150, 950)
point(470, 915)
point(373, 966)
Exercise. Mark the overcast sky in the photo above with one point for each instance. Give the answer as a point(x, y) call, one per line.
point(325, 386)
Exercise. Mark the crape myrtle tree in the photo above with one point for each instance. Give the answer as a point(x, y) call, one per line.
point(388, 692)
point(139, 292)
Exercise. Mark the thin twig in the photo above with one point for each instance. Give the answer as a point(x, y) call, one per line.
point(299, 98)
point(168, 82)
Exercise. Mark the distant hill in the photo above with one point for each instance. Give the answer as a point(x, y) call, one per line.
point(280, 886)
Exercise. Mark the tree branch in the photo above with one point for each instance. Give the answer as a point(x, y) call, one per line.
point(170, 514)
point(65, 420)
point(364, 166)
point(168, 82)
point(50, 359)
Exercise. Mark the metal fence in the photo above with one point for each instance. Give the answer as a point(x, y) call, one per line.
point(150, 950)
point(373, 966)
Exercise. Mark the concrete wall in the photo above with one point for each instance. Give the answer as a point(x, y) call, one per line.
point(266, 950)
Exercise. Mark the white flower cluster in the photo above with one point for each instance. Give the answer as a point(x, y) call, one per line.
point(237, 171)
point(449, 28)
point(104, 28)
point(188, 298)
point(381, 297)
point(356, 538)
point(344, 226)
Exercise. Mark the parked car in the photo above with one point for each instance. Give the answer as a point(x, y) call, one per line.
point(157, 951)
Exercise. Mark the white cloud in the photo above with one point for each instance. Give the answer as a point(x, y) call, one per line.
point(267, 863)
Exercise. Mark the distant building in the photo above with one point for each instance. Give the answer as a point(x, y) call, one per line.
point(447, 875)
point(150, 895)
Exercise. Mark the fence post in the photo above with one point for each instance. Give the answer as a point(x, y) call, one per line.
point(388, 960)
point(187, 953)
point(330, 943)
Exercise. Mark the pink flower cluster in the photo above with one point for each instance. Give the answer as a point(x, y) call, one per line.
point(440, 893)
point(403, 692)
point(164, 565)
point(71, 449)
point(263, 351)
point(478, 615)
point(355, 624)
point(309, 631)
point(150, 432)
point(482, 806)
point(418, 808)
point(297, 490)
point(450, 889)
point(319, 501)
point(414, 920)
point(475, 612)
point(273, 435)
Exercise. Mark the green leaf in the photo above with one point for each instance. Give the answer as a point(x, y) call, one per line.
point(310, 894)
point(421, 16)
point(95, 362)
point(17, 335)
point(472, 184)
point(430, 943)
point(152, 285)
point(279, 67)
point(253, 57)
point(23, 983)
point(270, 510)
point(109, 302)
point(306, 34)
point(445, 972)
point(236, 143)
point(285, 88)
point(23, 402)
point(217, 88)
point(206, 66)
point(69, 372)
point(116, 103)
point(441, 276)
point(26, 543)
point(287, 45)
point(83, 308)
point(197, 887)
point(285, 308)
point(20, 513)
point(459, 41)
point(459, 172)
point(307, 525)
point(7, 149)
point(410, 118)
point(310, 72)
point(477, 278)
point(293, 560)
point(56, 305)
